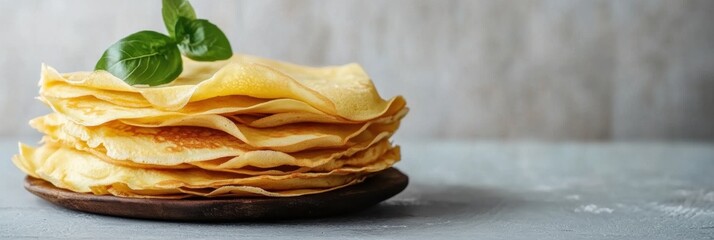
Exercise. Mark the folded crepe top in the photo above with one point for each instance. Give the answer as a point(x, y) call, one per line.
point(344, 91)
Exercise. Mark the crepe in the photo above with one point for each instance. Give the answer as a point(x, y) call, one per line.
point(259, 162)
point(82, 172)
point(344, 91)
point(176, 145)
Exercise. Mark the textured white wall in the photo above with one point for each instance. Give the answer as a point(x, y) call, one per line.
point(553, 70)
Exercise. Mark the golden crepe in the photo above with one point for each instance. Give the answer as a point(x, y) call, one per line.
point(286, 138)
point(344, 91)
point(246, 126)
point(83, 172)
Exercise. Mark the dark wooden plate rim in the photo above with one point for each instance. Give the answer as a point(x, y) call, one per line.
point(373, 190)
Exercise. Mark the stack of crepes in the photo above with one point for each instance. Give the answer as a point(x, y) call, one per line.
point(246, 126)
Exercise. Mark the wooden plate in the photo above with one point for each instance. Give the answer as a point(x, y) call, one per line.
point(373, 190)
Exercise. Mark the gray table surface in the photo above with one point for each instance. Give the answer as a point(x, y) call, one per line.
point(458, 190)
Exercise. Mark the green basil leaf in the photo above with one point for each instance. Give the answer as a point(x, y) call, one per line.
point(201, 40)
point(172, 10)
point(145, 57)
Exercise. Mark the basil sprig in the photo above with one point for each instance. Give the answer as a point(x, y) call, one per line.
point(151, 58)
